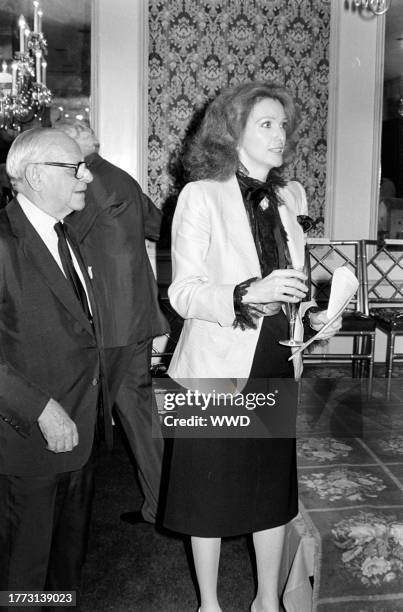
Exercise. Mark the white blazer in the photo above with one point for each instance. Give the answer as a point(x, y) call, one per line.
point(212, 251)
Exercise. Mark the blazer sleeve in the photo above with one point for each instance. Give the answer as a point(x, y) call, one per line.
point(21, 402)
point(301, 208)
point(192, 293)
point(152, 218)
point(299, 197)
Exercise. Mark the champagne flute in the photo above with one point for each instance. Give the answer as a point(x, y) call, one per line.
point(291, 309)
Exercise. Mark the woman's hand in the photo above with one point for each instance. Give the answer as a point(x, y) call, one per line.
point(267, 310)
point(279, 286)
point(318, 319)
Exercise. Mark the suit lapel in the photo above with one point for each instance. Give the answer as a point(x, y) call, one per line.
point(84, 272)
point(235, 218)
point(39, 255)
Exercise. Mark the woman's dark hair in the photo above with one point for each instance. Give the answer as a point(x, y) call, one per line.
point(212, 152)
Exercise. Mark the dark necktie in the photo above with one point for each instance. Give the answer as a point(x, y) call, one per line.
point(69, 269)
point(104, 420)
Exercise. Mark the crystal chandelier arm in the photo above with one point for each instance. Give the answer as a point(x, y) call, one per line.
point(377, 7)
point(28, 97)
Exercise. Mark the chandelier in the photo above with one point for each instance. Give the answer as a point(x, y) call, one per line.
point(23, 91)
point(377, 7)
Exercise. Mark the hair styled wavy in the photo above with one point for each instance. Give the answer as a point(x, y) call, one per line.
point(212, 152)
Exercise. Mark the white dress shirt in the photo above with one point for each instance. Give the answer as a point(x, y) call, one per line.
point(44, 225)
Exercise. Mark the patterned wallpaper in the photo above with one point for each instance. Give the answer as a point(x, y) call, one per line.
point(197, 47)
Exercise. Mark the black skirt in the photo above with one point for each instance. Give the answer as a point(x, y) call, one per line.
point(227, 487)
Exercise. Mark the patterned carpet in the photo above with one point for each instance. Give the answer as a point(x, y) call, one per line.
point(351, 484)
point(350, 456)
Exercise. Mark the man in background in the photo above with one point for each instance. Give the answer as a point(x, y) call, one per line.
point(51, 367)
point(111, 231)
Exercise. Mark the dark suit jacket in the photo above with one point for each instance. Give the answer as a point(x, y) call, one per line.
point(111, 231)
point(47, 349)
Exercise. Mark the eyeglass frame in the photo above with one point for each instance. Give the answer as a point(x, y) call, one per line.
point(80, 164)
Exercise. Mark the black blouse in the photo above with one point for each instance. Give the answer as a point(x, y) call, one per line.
point(261, 200)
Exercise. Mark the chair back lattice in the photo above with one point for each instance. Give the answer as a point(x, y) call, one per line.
point(161, 356)
point(327, 255)
point(383, 273)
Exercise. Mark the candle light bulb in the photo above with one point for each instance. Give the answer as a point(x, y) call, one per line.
point(44, 66)
point(4, 66)
point(22, 26)
point(14, 67)
point(38, 56)
point(36, 24)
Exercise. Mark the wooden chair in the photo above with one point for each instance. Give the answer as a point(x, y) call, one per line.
point(383, 279)
point(164, 347)
point(161, 355)
point(324, 257)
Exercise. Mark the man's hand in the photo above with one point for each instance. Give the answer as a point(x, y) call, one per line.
point(59, 431)
point(319, 319)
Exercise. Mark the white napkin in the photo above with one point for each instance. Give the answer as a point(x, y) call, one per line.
point(344, 286)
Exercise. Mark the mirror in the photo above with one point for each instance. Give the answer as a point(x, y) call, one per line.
point(66, 27)
point(390, 212)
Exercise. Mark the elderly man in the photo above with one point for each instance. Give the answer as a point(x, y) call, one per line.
point(111, 231)
point(50, 369)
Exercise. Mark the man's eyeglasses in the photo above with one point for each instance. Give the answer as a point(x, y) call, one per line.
point(79, 169)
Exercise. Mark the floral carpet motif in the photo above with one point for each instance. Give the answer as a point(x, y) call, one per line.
point(351, 493)
point(372, 546)
point(393, 444)
point(322, 449)
point(343, 483)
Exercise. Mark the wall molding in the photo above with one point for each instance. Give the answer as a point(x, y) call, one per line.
point(378, 118)
point(119, 110)
point(95, 93)
point(334, 46)
point(354, 122)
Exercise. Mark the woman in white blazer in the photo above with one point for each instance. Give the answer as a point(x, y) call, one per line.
point(235, 234)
